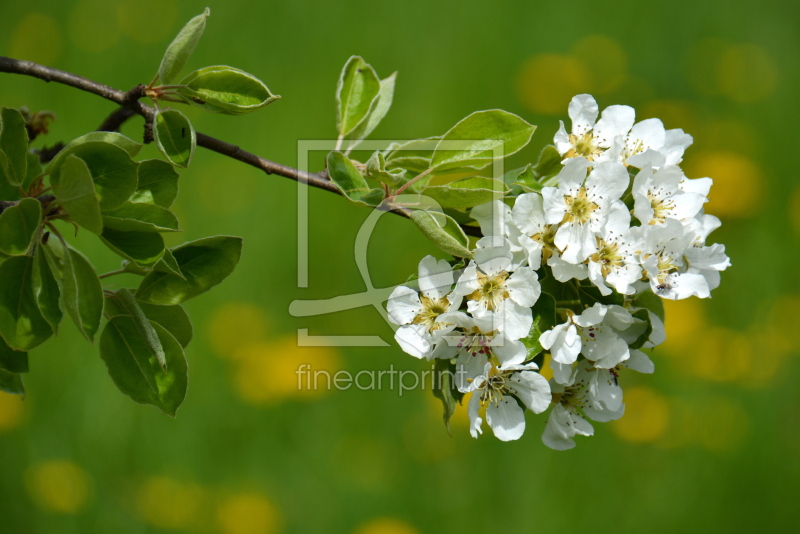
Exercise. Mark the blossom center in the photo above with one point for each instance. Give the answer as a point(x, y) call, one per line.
point(491, 289)
point(579, 207)
point(608, 256)
point(661, 208)
point(584, 145)
point(431, 309)
point(547, 238)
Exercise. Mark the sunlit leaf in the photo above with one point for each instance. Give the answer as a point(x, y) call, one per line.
point(76, 194)
point(22, 325)
point(358, 86)
point(181, 48)
point(158, 183)
point(223, 89)
point(175, 137)
point(14, 144)
point(443, 231)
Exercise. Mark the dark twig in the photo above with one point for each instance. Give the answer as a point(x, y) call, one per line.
point(129, 100)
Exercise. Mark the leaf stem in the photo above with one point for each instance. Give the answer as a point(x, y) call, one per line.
point(413, 180)
point(113, 273)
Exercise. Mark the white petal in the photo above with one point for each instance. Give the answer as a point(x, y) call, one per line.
point(639, 361)
point(435, 277)
point(583, 112)
point(403, 305)
point(528, 213)
point(650, 132)
point(475, 420)
point(532, 389)
point(413, 339)
point(615, 121)
point(506, 418)
point(523, 286)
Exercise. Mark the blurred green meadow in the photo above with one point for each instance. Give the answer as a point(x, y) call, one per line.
point(709, 443)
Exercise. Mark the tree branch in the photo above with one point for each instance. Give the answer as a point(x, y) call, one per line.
point(130, 105)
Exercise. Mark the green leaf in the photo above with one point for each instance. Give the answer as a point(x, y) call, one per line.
point(130, 146)
point(7, 191)
point(146, 330)
point(143, 248)
point(46, 289)
point(415, 156)
point(478, 135)
point(168, 264)
point(445, 389)
point(138, 217)
point(113, 171)
point(34, 170)
point(18, 226)
point(14, 144)
point(377, 111)
point(135, 369)
point(467, 192)
point(175, 137)
point(350, 182)
point(158, 183)
point(181, 48)
point(444, 231)
point(204, 264)
point(376, 169)
point(173, 318)
point(13, 361)
point(526, 179)
point(544, 318)
point(358, 86)
point(22, 325)
point(652, 302)
point(76, 194)
point(11, 383)
point(548, 166)
point(82, 294)
point(224, 89)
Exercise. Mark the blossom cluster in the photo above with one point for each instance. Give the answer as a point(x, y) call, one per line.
point(618, 224)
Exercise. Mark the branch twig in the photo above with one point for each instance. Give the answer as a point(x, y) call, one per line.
point(130, 105)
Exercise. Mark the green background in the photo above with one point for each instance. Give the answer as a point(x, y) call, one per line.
point(711, 442)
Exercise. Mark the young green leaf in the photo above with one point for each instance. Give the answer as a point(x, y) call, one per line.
point(130, 146)
point(377, 111)
point(525, 179)
point(14, 144)
point(158, 183)
point(173, 318)
point(445, 389)
point(175, 137)
point(544, 318)
point(138, 217)
point(11, 383)
point(467, 192)
point(13, 361)
point(204, 264)
point(114, 173)
point(22, 325)
point(443, 231)
point(135, 369)
point(82, 294)
point(143, 248)
point(350, 182)
point(474, 139)
point(181, 48)
point(18, 226)
point(223, 89)
point(414, 156)
point(358, 86)
point(46, 289)
point(34, 170)
point(76, 194)
point(376, 169)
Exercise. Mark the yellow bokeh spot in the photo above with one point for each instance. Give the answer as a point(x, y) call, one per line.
point(685, 318)
point(170, 504)
point(793, 203)
point(386, 525)
point(269, 372)
point(646, 418)
point(37, 38)
point(673, 113)
point(10, 411)
point(247, 513)
point(93, 25)
point(747, 73)
point(738, 183)
point(59, 486)
point(547, 82)
point(724, 424)
point(234, 325)
point(147, 21)
point(605, 62)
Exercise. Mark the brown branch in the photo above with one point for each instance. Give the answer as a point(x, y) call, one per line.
point(130, 101)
